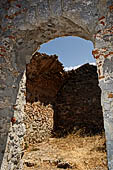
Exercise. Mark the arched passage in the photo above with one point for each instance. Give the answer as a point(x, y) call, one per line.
point(72, 100)
point(46, 81)
point(25, 25)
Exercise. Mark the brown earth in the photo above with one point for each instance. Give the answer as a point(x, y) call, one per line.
point(72, 152)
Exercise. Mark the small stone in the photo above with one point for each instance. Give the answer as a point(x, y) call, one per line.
point(29, 164)
point(64, 165)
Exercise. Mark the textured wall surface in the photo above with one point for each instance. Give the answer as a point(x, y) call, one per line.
point(38, 122)
point(24, 26)
point(45, 76)
point(77, 103)
point(68, 100)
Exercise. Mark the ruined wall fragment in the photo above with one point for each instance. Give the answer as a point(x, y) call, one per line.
point(24, 26)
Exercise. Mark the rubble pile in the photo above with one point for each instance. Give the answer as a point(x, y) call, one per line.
point(39, 122)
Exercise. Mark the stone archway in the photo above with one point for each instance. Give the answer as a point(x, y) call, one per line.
point(24, 26)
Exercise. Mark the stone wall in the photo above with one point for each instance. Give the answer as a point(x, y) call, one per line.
point(74, 105)
point(77, 103)
point(38, 121)
point(24, 26)
point(45, 76)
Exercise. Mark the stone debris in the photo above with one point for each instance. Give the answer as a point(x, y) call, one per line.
point(29, 164)
point(64, 165)
point(39, 122)
point(71, 152)
point(24, 26)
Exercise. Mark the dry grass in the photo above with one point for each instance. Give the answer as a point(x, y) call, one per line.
point(81, 153)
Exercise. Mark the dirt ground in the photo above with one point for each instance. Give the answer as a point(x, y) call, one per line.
point(71, 152)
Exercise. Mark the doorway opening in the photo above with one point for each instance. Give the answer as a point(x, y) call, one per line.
point(63, 110)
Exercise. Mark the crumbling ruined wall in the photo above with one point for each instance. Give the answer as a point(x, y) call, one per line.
point(77, 104)
point(24, 26)
point(45, 76)
point(38, 122)
point(75, 101)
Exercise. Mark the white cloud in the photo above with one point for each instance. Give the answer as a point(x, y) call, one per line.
point(75, 67)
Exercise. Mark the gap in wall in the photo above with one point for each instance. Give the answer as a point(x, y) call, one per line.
point(65, 105)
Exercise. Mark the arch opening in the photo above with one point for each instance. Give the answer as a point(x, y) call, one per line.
point(27, 25)
point(69, 102)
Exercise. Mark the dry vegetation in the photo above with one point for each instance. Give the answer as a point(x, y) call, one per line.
point(72, 152)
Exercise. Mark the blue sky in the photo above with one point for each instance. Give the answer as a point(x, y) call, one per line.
point(72, 51)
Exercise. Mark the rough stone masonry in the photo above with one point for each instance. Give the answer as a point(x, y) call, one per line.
point(60, 102)
point(24, 26)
